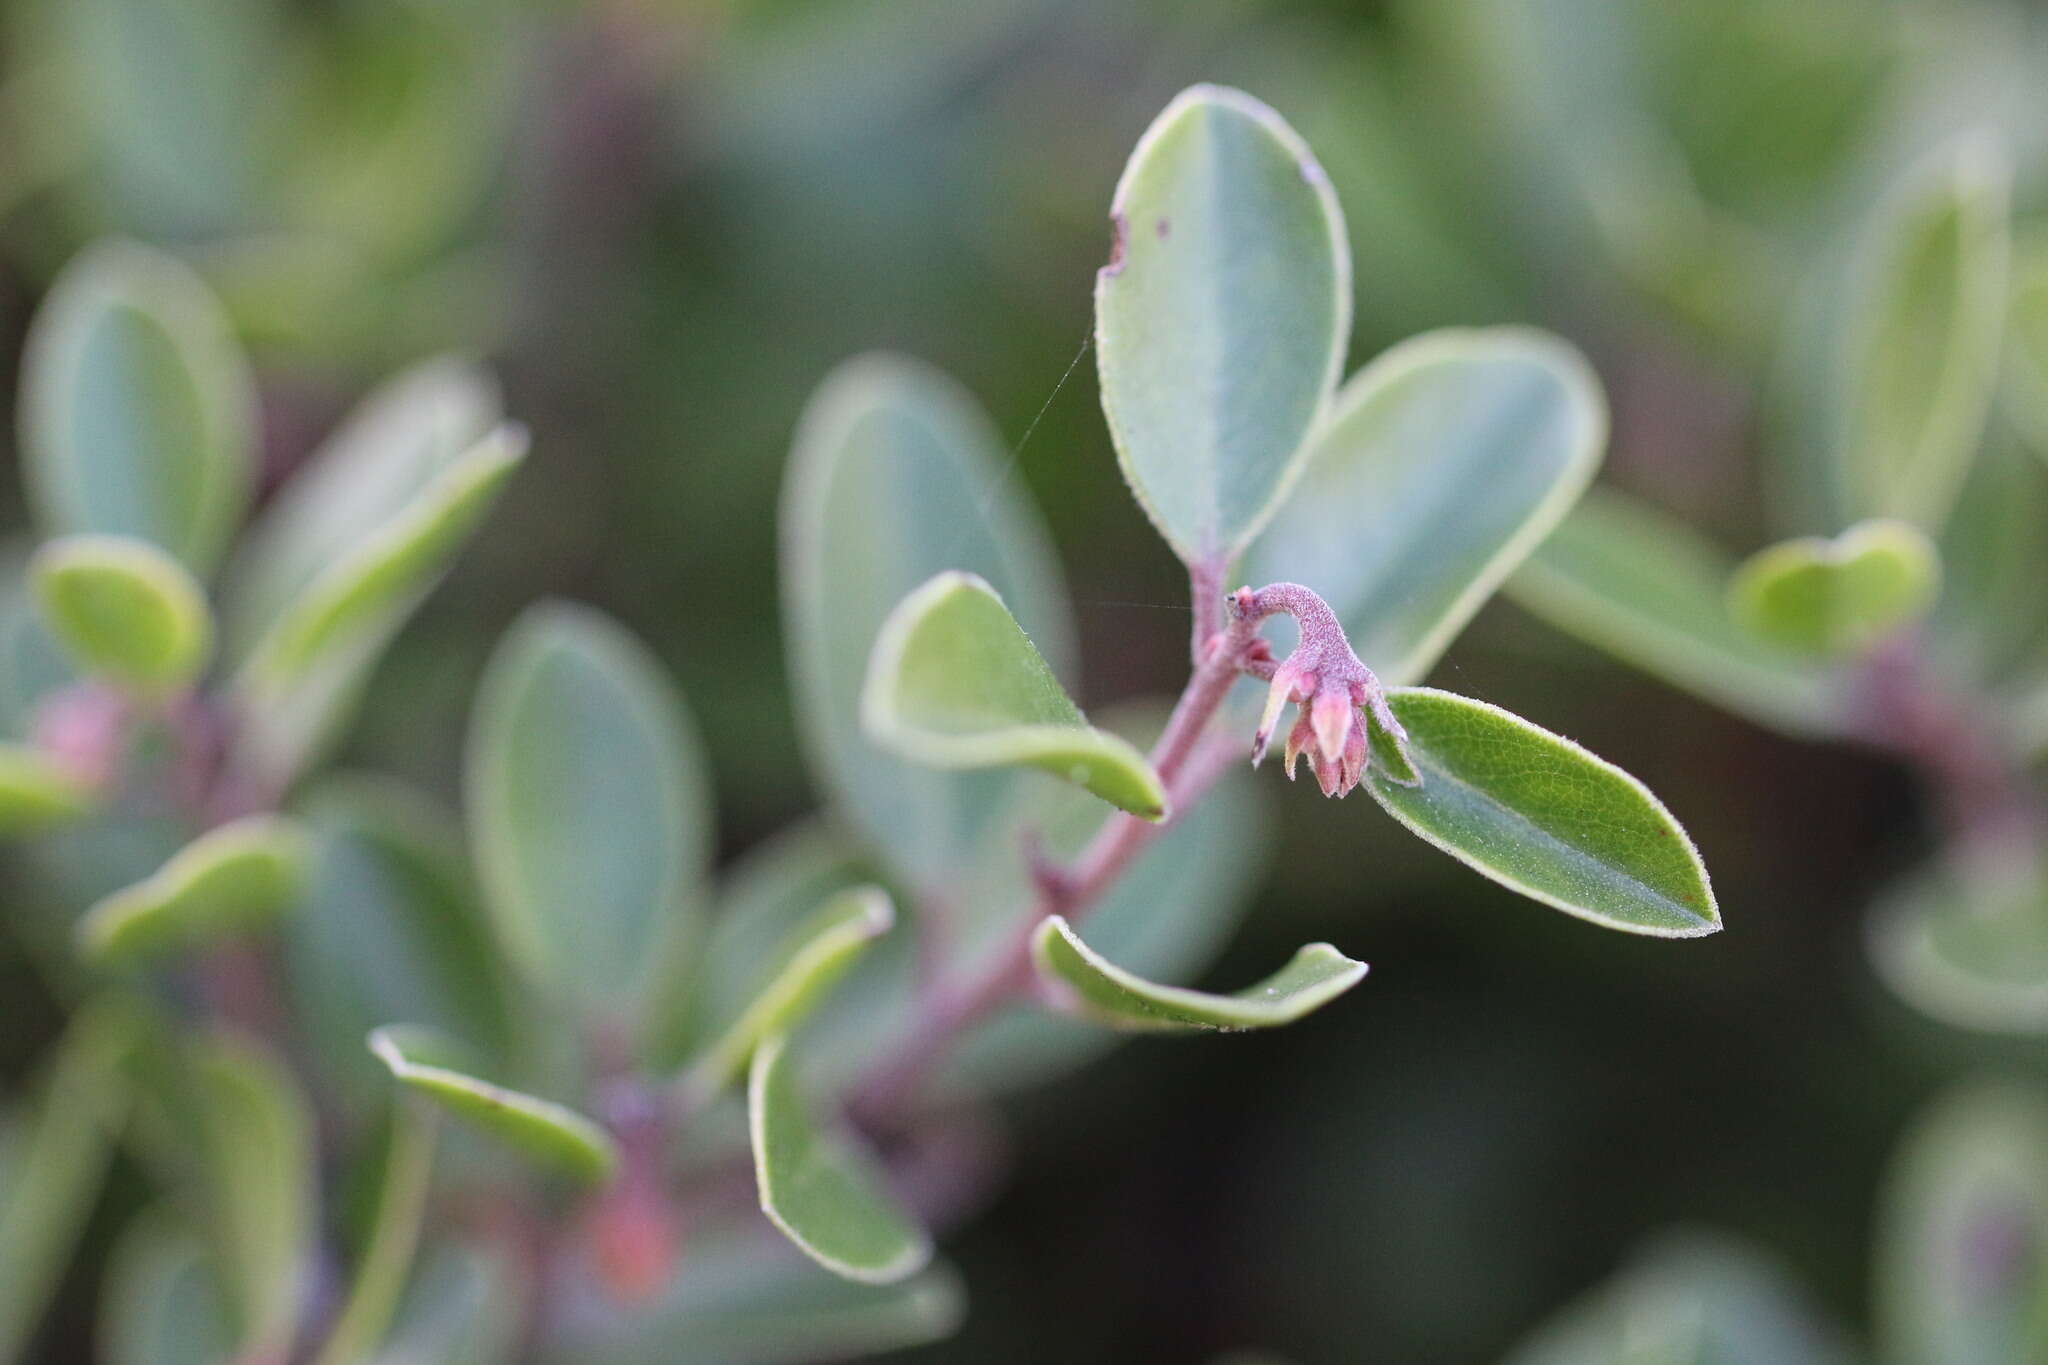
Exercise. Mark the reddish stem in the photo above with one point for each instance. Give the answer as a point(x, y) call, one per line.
point(1989, 810)
point(1187, 771)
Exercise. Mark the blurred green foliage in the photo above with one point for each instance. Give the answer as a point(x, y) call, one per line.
point(664, 220)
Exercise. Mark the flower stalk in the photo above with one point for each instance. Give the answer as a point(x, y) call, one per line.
point(1339, 699)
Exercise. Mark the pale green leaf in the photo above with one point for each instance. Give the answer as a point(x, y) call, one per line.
point(408, 436)
point(589, 809)
point(1690, 1298)
point(824, 1191)
point(261, 1177)
point(173, 101)
point(765, 906)
point(162, 1302)
point(33, 666)
point(461, 1308)
point(1651, 591)
point(285, 732)
point(400, 172)
point(35, 793)
point(389, 567)
point(750, 1301)
point(1221, 318)
point(1993, 561)
point(350, 548)
point(391, 928)
point(1962, 1266)
point(550, 1133)
point(956, 683)
point(57, 1159)
point(230, 880)
point(1924, 337)
point(1081, 981)
point(896, 475)
point(1444, 463)
point(803, 971)
point(2026, 355)
point(1837, 597)
point(394, 1236)
point(124, 610)
point(1968, 950)
point(1540, 815)
point(137, 408)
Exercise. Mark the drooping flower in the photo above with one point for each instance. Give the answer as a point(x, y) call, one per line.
point(1336, 696)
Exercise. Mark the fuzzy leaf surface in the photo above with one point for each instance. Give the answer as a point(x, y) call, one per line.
point(1442, 465)
point(956, 683)
point(1221, 318)
point(1540, 815)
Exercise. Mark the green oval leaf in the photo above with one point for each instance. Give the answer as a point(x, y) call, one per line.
point(764, 905)
point(390, 566)
point(33, 666)
point(807, 966)
point(391, 928)
point(125, 611)
point(1928, 319)
point(1963, 1233)
point(1648, 589)
point(260, 1165)
point(138, 413)
point(1971, 952)
point(956, 683)
point(1538, 814)
point(350, 548)
point(56, 1161)
point(228, 881)
point(1837, 597)
point(825, 1193)
point(2026, 369)
point(1083, 982)
point(35, 793)
point(549, 1133)
point(895, 475)
point(589, 811)
point(400, 441)
point(1221, 318)
point(461, 1308)
point(1691, 1298)
point(1444, 463)
point(173, 110)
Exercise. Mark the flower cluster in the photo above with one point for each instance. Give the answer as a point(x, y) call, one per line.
point(1338, 700)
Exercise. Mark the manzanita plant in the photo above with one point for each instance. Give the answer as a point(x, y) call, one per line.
point(1908, 622)
point(626, 1042)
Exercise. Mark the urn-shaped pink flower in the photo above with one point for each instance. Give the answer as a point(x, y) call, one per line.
point(1334, 692)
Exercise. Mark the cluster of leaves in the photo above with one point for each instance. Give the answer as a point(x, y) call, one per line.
point(1876, 284)
point(1909, 375)
point(1965, 1203)
point(619, 1031)
point(326, 206)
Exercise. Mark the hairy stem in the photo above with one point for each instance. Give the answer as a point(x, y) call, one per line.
point(1205, 600)
point(1186, 766)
